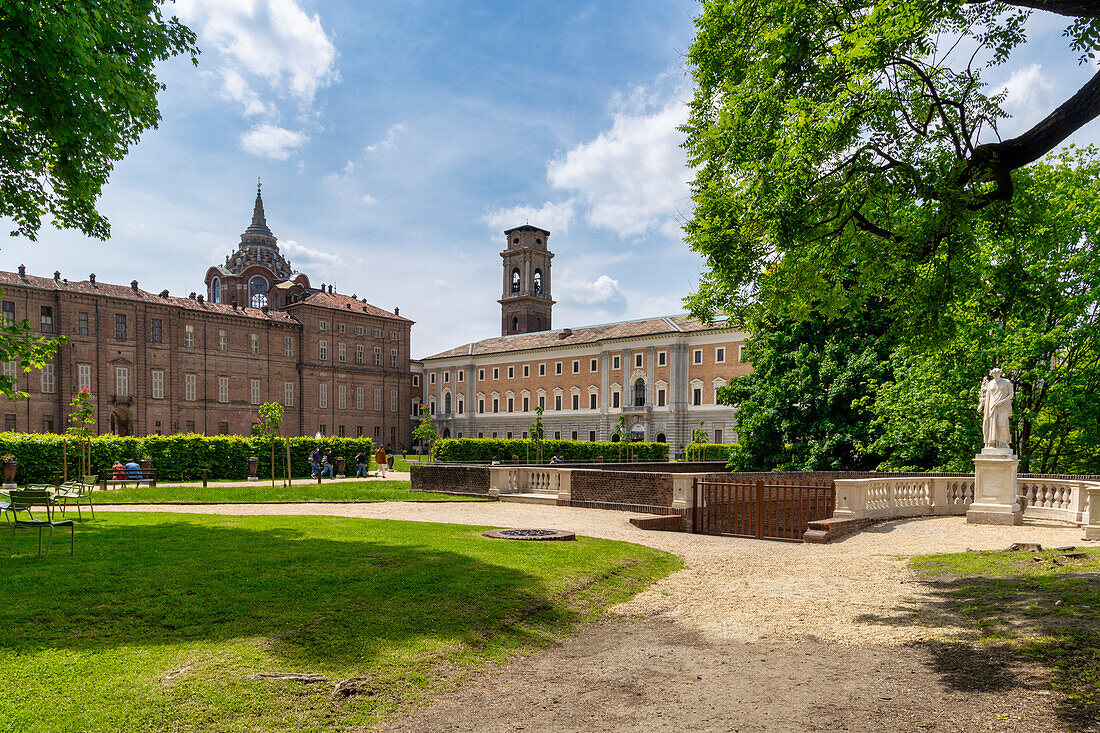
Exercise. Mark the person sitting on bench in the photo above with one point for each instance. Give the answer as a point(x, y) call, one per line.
point(133, 470)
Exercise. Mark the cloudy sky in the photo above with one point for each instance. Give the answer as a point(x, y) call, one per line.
point(396, 141)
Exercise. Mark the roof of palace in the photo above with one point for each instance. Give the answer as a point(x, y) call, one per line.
point(580, 335)
point(347, 304)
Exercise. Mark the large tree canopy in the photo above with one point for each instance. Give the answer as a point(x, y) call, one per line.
point(77, 89)
point(843, 147)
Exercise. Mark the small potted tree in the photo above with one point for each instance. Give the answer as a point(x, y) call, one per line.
point(341, 463)
point(146, 463)
point(253, 468)
point(11, 465)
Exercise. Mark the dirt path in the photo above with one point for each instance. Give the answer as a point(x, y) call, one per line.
point(752, 636)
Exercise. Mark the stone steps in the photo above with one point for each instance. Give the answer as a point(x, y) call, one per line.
point(528, 497)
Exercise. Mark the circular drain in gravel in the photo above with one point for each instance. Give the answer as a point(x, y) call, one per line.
point(537, 535)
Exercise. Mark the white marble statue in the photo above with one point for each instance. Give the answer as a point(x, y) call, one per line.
point(996, 409)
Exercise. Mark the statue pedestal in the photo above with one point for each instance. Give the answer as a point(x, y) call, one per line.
point(995, 500)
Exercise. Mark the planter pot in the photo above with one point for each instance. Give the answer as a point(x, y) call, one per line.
point(10, 467)
point(340, 464)
point(253, 466)
point(146, 465)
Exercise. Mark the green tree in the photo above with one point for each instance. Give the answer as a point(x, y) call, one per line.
point(806, 404)
point(537, 432)
point(79, 90)
point(699, 442)
point(81, 416)
point(427, 431)
point(846, 150)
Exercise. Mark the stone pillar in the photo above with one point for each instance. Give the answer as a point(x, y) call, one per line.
point(1092, 531)
point(995, 500)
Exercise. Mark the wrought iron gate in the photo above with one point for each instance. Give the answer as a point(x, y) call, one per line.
point(758, 510)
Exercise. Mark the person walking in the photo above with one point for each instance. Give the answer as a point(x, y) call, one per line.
point(380, 460)
point(315, 462)
point(326, 463)
point(362, 464)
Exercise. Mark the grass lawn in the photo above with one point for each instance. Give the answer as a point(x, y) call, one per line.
point(160, 621)
point(260, 492)
point(1025, 607)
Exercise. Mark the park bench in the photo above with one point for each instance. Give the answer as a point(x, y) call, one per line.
point(147, 476)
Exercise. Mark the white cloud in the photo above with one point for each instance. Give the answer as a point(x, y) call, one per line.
point(368, 199)
point(270, 141)
point(603, 294)
point(551, 216)
point(308, 258)
point(272, 39)
point(389, 142)
point(1029, 95)
point(633, 178)
point(236, 89)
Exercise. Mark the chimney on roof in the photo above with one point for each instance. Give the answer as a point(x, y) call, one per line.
point(57, 274)
point(264, 308)
point(200, 297)
point(322, 287)
point(23, 271)
point(91, 279)
point(133, 285)
point(397, 311)
point(234, 304)
point(330, 290)
point(164, 293)
point(354, 296)
point(191, 295)
point(347, 305)
point(565, 333)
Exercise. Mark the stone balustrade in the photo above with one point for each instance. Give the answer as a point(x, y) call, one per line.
point(531, 480)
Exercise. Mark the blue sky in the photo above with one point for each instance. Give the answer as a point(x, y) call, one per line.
point(397, 140)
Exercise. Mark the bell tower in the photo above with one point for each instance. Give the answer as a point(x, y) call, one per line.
point(526, 304)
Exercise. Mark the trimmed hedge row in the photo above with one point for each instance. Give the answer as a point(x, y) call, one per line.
point(179, 457)
point(483, 450)
point(709, 451)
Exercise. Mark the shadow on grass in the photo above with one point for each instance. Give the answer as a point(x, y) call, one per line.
point(340, 601)
point(1011, 624)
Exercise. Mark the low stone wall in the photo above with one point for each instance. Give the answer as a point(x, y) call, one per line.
point(621, 487)
point(450, 479)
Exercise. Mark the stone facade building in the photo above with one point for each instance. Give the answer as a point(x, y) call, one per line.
point(660, 374)
point(160, 364)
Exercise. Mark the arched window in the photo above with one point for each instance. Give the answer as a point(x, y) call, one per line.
point(216, 290)
point(515, 280)
point(538, 282)
point(447, 403)
point(661, 438)
point(639, 393)
point(515, 324)
point(257, 291)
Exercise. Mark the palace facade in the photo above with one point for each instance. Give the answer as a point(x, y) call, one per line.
point(660, 374)
point(161, 364)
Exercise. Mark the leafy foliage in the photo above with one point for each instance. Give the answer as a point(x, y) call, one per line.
point(482, 450)
point(427, 431)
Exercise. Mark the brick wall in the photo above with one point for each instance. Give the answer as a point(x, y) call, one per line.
point(621, 487)
point(444, 479)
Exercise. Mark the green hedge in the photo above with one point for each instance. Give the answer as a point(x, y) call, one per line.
point(482, 450)
point(711, 452)
point(175, 457)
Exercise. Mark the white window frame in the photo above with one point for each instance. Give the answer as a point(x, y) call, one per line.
point(190, 388)
point(377, 399)
point(189, 336)
point(359, 398)
point(223, 389)
point(322, 396)
point(288, 394)
point(322, 350)
point(122, 381)
point(254, 391)
point(156, 381)
point(719, 354)
point(83, 376)
point(288, 346)
point(341, 397)
point(49, 383)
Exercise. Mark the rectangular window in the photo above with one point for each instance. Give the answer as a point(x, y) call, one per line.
point(9, 422)
point(511, 404)
point(158, 384)
point(342, 328)
point(223, 340)
point(697, 356)
point(460, 406)
point(47, 424)
point(122, 381)
point(189, 336)
point(254, 343)
point(720, 355)
point(557, 367)
point(576, 402)
point(81, 324)
point(223, 389)
point(481, 375)
point(340, 429)
point(288, 346)
point(48, 383)
point(377, 431)
point(378, 356)
point(574, 434)
point(526, 370)
point(358, 431)
point(542, 370)
point(46, 319)
point(359, 331)
point(660, 398)
point(557, 402)
point(431, 377)
point(322, 395)
point(542, 401)
point(496, 373)
point(592, 401)
point(511, 372)
point(189, 390)
point(254, 391)
point(223, 428)
point(120, 327)
point(156, 330)
point(615, 363)
point(557, 435)
point(322, 429)
point(288, 394)
point(594, 365)
point(11, 368)
point(741, 352)
point(342, 396)
point(481, 406)
point(83, 377)
point(416, 380)
point(189, 426)
point(359, 398)
point(377, 400)
point(322, 350)
point(322, 325)
point(360, 354)
point(662, 356)
point(376, 333)
point(615, 399)
point(496, 405)
point(718, 437)
point(592, 436)
point(341, 352)
point(461, 375)
point(9, 313)
point(696, 396)
point(393, 358)
point(393, 401)
point(638, 361)
point(576, 366)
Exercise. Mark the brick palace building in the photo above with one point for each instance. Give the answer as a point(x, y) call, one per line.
point(260, 333)
point(660, 374)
